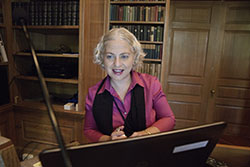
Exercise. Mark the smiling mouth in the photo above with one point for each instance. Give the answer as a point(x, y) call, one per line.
point(117, 71)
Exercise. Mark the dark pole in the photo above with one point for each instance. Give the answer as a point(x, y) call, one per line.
point(52, 116)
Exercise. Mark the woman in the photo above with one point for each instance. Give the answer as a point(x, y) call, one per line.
point(125, 103)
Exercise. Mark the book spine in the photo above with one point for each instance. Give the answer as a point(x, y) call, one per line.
point(60, 13)
point(40, 12)
point(49, 13)
point(69, 13)
point(65, 13)
point(77, 12)
point(74, 13)
point(54, 13)
point(45, 13)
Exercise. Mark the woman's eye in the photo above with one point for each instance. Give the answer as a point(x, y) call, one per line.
point(109, 56)
point(124, 56)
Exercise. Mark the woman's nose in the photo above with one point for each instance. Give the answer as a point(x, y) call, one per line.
point(117, 61)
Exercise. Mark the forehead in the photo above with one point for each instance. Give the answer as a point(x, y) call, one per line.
point(117, 44)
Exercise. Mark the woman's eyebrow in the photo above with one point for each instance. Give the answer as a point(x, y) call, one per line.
point(125, 53)
point(108, 53)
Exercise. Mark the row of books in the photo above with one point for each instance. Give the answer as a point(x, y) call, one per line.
point(49, 12)
point(150, 68)
point(152, 51)
point(144, 32)
point(137, 13)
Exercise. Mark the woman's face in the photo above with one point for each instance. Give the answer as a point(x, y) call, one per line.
point(118, 59)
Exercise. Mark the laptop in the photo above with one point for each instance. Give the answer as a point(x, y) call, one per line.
point(178, 148)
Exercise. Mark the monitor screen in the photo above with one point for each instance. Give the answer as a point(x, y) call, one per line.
point(183, 147)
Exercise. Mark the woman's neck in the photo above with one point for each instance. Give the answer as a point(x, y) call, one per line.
point(121, 87)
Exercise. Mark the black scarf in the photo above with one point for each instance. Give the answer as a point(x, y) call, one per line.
point(103, 111)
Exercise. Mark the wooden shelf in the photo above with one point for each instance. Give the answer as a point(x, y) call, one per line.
point(64, 55)
point(58, 80)
point(33, 105)
point(4, 63)
point(137, 22)
point(152, 60)
point(151, 42)
point(49, 27)
point(138, 2)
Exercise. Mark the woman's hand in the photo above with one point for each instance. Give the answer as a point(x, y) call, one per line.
point(140, 133)
point(118, 133)
point(148, 131)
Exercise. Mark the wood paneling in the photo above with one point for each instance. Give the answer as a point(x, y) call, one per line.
point(235, 56)
point(232, 97)
point(208, 75)
point(185, 110)
point(36, 130)
point(45, 132)
point(7, 122)
point(192, 14)
point(187, 54)
point(237, 14)
point(184, 89)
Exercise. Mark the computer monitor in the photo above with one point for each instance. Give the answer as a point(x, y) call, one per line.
point(178, 148)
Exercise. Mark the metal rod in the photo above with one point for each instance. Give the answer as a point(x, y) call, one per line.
point(51, 112)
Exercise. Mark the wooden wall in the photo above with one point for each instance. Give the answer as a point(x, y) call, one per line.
point(208, 59)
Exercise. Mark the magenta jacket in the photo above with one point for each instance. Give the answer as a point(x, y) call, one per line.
point(157, 110)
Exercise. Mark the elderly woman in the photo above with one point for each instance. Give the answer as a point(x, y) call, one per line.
point(125, 103)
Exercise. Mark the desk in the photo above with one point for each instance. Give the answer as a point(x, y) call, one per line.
point(233, 156)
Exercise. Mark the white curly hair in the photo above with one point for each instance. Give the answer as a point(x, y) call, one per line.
point(124, 34)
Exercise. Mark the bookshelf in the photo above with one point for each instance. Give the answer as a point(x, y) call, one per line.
point(57, 39)
point(54, 31)
point(57, 50)
point(148, 21)
point(62, 45)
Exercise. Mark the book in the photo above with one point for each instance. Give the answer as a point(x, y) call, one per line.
point(3, 55)
point(54, 12)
